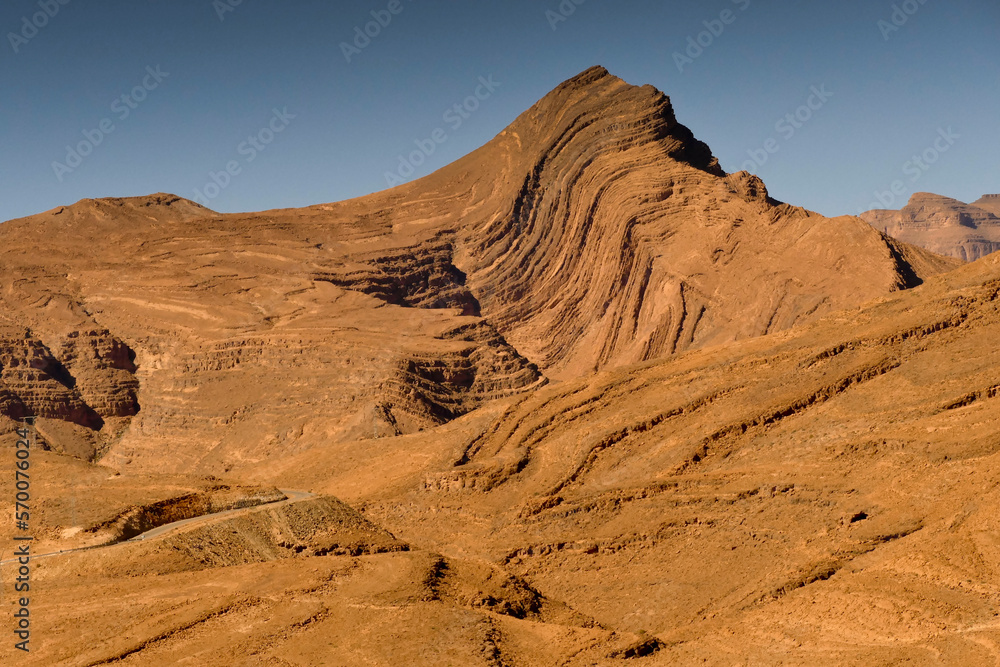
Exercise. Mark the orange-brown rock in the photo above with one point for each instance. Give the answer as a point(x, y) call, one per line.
point(737, 502)
point(595, 231)
point(579, 398)
point(989, 203)
point(944, 225)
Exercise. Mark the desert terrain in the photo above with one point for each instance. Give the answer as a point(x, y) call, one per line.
point(579, 398)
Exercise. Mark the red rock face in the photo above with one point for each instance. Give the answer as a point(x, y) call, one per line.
point(944, 225)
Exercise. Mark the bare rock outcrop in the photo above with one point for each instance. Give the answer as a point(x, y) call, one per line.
point(944, 225)
point(789, 455)
point(90, 378)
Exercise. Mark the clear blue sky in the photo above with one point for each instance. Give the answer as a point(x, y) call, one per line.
point(223, 78)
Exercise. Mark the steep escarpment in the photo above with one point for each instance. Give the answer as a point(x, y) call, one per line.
point(103, 369)
point(35, 383)
point(420, 276)
point(597, 231)
point(435, 388)
point(944, 225)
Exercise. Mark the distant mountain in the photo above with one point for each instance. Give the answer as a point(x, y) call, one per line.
point(944, 225)
point(990, 203)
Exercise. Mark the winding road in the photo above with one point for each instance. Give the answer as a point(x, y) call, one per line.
point(291, 496)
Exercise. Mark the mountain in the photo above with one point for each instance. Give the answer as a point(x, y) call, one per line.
point(578, 398)
point(944, 225)
point(594, 232)
point(989, 203)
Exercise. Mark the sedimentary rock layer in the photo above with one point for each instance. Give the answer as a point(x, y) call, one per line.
point(594, 231)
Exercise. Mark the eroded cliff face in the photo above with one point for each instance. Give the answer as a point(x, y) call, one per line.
point(593, 232)
point(944, 225)
point(35, 382)
point(88, 383)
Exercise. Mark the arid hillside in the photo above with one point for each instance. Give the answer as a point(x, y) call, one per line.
point(944, 225)
point(989, 203)
point(579, 398)
point(820, 496)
